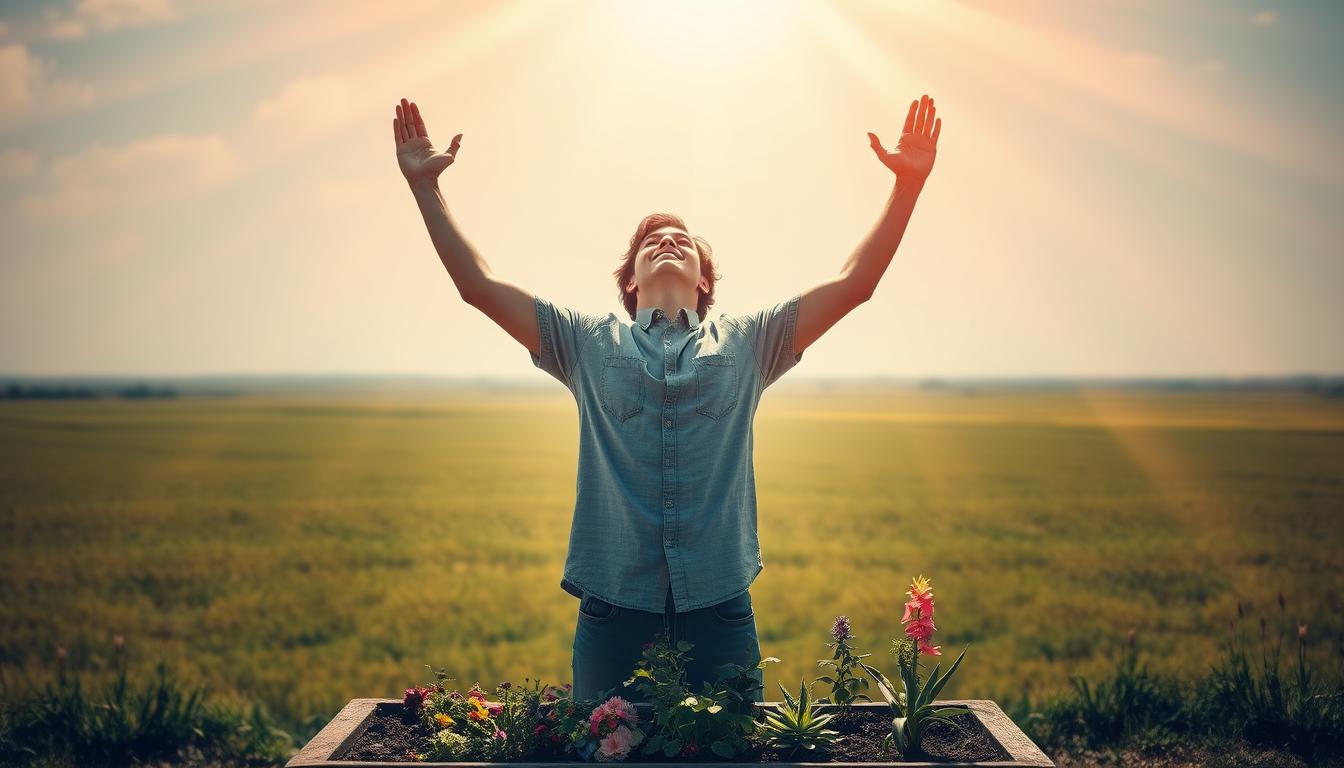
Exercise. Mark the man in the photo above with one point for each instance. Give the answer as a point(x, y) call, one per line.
point(664, 531)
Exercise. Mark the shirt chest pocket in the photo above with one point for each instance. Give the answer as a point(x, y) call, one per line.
point(715, 385)
point(622, 392)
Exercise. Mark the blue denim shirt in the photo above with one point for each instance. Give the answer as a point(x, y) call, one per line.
point(666, 491)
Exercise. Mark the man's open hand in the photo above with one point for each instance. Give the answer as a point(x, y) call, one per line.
point(913, 158)
point(415, 155)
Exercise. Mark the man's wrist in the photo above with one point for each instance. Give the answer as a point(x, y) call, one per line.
point(429, 184)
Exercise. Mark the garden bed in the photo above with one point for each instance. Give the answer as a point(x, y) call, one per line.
point(377, 732)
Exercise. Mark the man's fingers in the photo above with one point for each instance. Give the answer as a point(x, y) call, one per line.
point(923, 113)
point(910, 118)
point(396, 130)
point(928, 121)
point(407, 127)
point(419, 121)
point(875, 143)
point(937, 128)
point(456, 142)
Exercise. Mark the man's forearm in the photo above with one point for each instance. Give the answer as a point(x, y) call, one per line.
point(868, 263)
point(464, 265)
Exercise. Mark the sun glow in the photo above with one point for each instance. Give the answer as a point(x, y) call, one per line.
point(700, 36)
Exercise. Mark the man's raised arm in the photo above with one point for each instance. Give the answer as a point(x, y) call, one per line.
point(511, 307)
point(822, 306)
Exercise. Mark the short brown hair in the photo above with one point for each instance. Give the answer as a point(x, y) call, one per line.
point(626, 272)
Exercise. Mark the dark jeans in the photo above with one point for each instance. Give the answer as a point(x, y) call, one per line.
point(608, 643)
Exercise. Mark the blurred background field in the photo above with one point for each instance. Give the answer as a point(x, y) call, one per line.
point(302, 549)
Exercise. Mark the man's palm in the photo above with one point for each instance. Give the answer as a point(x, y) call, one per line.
point(918, 145)
point(415, 154)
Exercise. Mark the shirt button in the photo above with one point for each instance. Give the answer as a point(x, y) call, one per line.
point(667, 503)
point(667, 423)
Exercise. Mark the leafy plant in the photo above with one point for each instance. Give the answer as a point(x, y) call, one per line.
point(794, 725)
point(844, 683)
point(722, 717)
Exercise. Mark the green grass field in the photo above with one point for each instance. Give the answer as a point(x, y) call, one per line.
point(301, 551)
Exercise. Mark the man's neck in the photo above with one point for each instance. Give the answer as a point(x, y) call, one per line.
point(669, 299)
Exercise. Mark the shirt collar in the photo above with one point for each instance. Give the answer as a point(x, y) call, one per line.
point(645, 317)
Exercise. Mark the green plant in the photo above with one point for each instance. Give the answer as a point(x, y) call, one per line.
point(722, 717)
point(793, 725)
point(844, 683)
point(123, 724)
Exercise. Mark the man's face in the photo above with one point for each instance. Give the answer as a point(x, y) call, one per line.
point(667, 253)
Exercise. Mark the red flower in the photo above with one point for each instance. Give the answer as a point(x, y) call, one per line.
point(495, 709)
point(414, 698)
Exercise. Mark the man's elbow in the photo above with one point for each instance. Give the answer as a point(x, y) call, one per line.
point(859, 292)
point(474, 294)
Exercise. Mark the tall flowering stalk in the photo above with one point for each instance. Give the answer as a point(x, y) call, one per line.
point(844, 684)
point(913, 712)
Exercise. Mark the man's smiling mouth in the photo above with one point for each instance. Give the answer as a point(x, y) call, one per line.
point(668, 252)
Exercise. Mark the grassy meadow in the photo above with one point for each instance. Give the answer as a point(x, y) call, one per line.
point(303, 550)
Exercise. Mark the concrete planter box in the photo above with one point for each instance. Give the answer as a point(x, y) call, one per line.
point(356, 716)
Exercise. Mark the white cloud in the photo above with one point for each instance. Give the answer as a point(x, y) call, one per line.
point(105, 15)
point(132, 177)
point(1264, 18)
point(17, 163)
point(28, 89)
point(306, 105)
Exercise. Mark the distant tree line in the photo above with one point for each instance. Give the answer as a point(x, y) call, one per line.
point(76, 391)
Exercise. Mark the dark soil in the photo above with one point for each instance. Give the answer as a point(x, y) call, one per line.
point(390, 736)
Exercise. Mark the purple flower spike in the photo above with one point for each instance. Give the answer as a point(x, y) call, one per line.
point(840, 629)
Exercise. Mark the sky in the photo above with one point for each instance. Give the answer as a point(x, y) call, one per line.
point(1122, 188)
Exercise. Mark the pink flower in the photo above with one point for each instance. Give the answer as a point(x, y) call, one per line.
point(541, 728)
point(495, 710)
point(918, 616)
point(500, 734)
point(616, 745)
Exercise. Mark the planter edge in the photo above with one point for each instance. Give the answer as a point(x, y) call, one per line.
point(345, 726)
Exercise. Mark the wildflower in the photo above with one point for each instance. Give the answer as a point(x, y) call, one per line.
point(119, 641)
point(1302, 632)
point(476, 693)
point(500, 735)
point(506, 685)
point(689, 750)
point(454, 695)
point(414, 698)
point(496, 710)
point(919, 612)
point(1129, 637)
point(442, 720)
point(60, 653)
point(540, 729)
point(840, 628)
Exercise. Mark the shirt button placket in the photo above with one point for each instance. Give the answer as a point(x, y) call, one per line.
point(670, 527)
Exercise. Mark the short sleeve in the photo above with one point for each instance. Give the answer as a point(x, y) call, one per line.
point(562, 332)
point(771, 333)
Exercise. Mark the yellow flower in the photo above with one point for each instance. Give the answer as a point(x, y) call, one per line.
point(919, 586)
point(443, 720)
